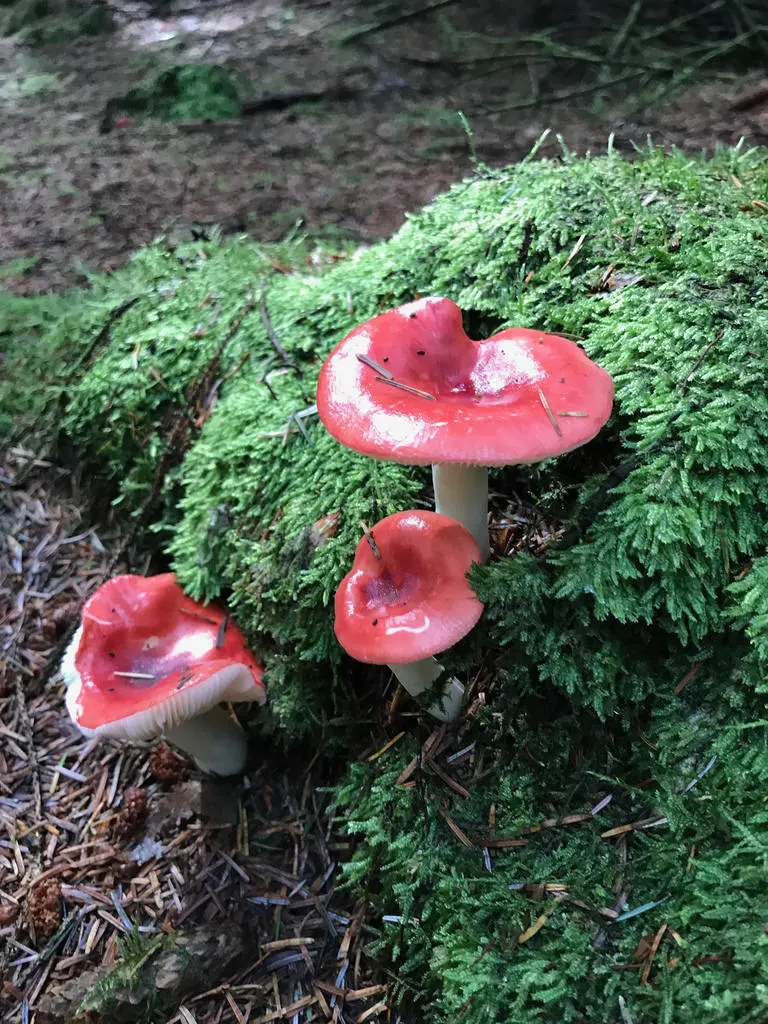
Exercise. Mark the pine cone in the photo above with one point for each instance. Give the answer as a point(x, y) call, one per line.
point(166, 766)
point(44, 907)
point(133, 813)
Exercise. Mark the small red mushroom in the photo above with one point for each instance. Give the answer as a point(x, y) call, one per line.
point(410, 386)
point(147, 660)
point(407, 598)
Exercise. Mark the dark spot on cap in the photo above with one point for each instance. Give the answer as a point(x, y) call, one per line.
point(112, 654)
point(562, 380)
point(412, 316)
point(374, 622)
point(421, 352)
point(385, 359)
point(110, 689)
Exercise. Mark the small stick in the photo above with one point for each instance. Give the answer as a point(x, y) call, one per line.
point(406, 387)
point(198, 615)
point(369, 537)
point(376, 366)
point(570, 412)
point(549, 413)
point(134, 675)
point(222, 630)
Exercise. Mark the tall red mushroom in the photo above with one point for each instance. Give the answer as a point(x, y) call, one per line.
point(407, 598)
point(410, 386)
point(147, 660)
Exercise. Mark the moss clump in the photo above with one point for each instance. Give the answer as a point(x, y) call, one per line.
point(183, 92)
point(659, 266)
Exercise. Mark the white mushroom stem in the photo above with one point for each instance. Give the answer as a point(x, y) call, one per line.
point(214, 739)
point(461, 492)
point(418, 676)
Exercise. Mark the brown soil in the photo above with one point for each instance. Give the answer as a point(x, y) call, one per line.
point(384, 140)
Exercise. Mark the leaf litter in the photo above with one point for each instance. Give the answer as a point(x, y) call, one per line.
point(100, 843)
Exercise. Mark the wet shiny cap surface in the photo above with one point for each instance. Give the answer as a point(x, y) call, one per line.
point(414, 600)
point(410, 386)
point(144, 643)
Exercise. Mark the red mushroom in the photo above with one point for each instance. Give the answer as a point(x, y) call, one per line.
point(410, 386)
point(407, 598)
point(148, 660)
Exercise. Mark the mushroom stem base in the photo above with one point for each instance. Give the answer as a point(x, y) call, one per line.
point(215, 741)
point(461, 492)
point(418, 676)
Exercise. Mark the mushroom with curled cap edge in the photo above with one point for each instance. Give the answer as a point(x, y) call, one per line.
point(148, 660)
point(411, 387)
point(407, 598)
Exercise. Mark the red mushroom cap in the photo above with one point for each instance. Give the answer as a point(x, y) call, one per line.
point(519, 396)
point(414, 600)
point(150, 657)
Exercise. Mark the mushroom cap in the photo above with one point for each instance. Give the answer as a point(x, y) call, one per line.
point(185, 657)
point(414, 600)
point(488, 407)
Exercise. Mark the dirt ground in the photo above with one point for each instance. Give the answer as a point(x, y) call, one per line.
point(385, 138)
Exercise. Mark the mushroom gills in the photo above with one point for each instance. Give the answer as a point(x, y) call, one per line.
point(418, 676)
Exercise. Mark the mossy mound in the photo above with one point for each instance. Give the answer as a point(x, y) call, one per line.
point(183, 92)
point(622, 654)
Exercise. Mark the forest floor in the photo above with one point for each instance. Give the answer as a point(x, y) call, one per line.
point(81, 187)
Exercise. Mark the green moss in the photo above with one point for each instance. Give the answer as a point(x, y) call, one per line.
point(660, 267)
point(182, 92)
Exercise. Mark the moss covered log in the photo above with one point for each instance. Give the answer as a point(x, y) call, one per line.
point(622, 653)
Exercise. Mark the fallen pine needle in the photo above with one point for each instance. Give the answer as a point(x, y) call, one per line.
point(295, 943)
point(387, 746)
point(376, 366)
point(535, 928)
point(460, 835)
point(371, 1011)
point(287, 1011)
point(652, 953)
point(575, 250)
point(550, 414)
point(198, 615)
point(406, 387)
point(618, 831)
